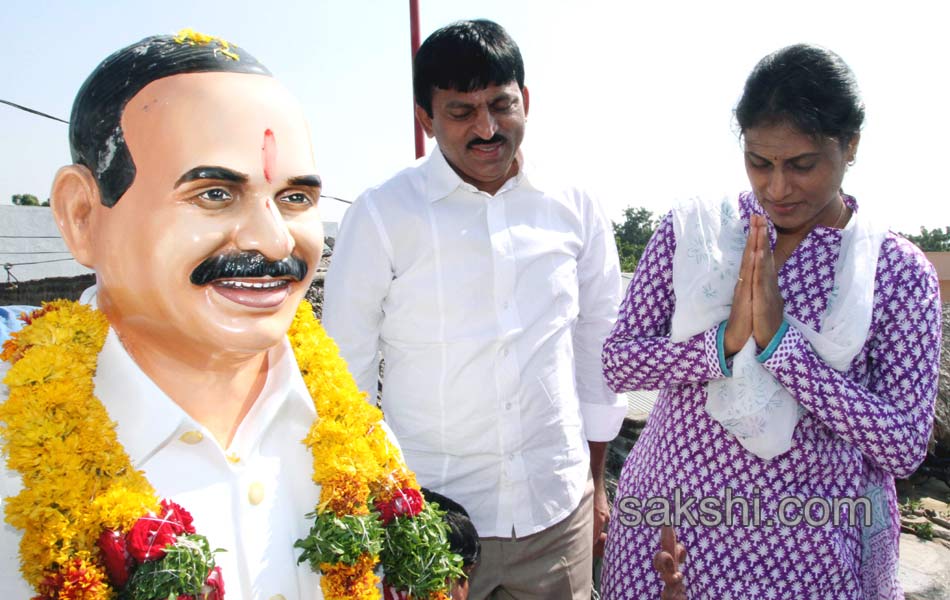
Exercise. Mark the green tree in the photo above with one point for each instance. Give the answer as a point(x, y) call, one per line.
point(632, 236)
point(931, 240)
point(25, 200)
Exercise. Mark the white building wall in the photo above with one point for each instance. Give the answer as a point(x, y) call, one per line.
point(31, 247)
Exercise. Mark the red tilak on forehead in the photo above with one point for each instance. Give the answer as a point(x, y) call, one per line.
point(269, 154)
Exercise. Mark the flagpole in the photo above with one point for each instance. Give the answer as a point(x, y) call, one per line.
point(414, 41)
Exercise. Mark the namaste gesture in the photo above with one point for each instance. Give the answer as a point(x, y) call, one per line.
point(757, 303)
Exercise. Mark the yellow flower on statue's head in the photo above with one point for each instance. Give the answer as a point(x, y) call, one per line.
point(191, 37)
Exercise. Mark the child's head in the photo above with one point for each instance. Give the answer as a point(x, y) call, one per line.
point(463, 538)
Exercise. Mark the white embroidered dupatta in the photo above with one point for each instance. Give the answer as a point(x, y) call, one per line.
point(752, 404)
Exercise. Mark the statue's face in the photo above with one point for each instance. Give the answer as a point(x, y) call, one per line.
point(224, 166)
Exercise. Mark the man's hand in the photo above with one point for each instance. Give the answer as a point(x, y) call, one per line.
point(598, 456)
point(601, 518)
point(667, 561)
point(767, 303)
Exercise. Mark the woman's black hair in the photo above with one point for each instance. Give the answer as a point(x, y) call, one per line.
point(465, 56)
point(96, 140)
point(808, 87)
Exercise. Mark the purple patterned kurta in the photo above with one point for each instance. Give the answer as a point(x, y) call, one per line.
point(860, 430)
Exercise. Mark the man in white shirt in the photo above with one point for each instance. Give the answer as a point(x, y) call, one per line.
point(193, 195)
point(489, 290)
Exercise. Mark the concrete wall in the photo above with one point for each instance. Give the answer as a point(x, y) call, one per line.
point(30, 244)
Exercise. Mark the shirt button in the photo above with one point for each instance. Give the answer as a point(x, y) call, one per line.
point(277, 597)
point(511, 458)
point(192, 437)
point(504, 351)
point(505, 305)
point(255, 493)
point(507, 405)
point(233, 458)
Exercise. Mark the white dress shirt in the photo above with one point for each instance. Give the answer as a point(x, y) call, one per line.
point(249, 498)
point(491, 312)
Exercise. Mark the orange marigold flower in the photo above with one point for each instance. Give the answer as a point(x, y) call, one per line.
point(47, 307)
point(341, 581)
point(345, 494)
point(80, 579)
point(11, 352)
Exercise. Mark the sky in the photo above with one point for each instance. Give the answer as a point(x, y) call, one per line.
point(632, 99)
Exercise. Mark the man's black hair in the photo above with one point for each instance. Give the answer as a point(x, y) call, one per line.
point(807, 87)
point(465, 56)
point(463, 538)
point(96, 140)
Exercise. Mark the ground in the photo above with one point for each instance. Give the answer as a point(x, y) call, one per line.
point(925, 564)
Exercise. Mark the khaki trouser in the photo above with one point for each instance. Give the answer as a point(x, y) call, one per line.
point(554, 564)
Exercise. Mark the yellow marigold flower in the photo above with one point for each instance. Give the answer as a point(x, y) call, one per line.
point(194, 38)
point(120, 506)
point(60, 439)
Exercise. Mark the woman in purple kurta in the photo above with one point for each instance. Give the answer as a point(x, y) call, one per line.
point(858, 428)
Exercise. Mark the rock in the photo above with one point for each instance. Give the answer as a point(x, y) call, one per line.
point(913, 520)
point(924, 569)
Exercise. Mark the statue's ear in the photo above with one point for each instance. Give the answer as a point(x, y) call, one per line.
point(74, 196)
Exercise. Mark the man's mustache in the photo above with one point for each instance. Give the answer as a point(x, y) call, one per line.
point(495, 139)
point(247, 264)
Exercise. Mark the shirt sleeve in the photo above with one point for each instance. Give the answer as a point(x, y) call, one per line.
point(357, 282)
point(889, 420)
point(598, 277)
point(638, 354)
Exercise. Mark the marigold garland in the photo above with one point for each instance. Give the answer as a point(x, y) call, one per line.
point(366, 488)
point(359, 473)
point(51, 412)
point(80, 493)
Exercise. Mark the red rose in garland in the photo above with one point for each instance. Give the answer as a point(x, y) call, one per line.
point(115, 557)
point(179, 517)
point(149, 536)
point(406, 502)
point(214, 585)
